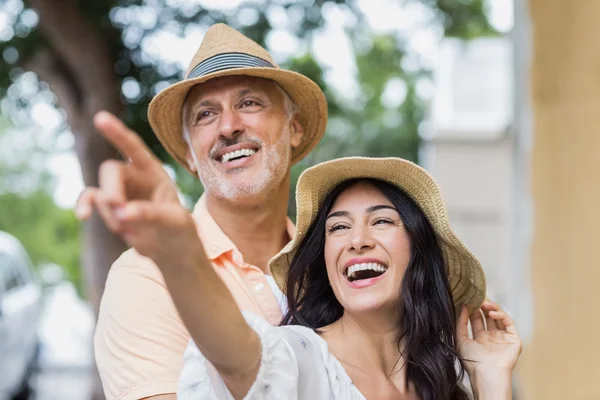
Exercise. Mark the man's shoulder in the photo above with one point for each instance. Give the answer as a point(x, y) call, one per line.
point(138, 330)
point(133, 264)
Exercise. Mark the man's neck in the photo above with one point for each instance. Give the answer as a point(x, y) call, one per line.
point(258, 231)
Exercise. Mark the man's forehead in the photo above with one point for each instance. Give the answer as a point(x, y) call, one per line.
point(230, 83)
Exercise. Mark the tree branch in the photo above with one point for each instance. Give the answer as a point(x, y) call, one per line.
point(82, 50)
point(49, 69)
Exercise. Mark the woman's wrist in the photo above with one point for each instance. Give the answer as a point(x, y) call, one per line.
point(491, 383)
point(185, 265)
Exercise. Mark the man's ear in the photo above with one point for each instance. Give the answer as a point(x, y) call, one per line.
point(297, 132)
point(190, 160)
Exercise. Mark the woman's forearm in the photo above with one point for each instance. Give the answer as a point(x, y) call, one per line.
point(492, 385)
point(215, 322)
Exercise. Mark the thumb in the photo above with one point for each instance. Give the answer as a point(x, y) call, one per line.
point(143, 211)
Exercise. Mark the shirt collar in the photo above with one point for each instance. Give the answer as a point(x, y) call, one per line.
point(215, 241)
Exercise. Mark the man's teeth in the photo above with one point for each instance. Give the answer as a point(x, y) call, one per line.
point(236, 154)
point(365, 266)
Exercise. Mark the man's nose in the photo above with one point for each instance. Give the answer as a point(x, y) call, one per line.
point(230, 124)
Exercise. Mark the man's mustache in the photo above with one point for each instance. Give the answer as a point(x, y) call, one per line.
point(226, 142)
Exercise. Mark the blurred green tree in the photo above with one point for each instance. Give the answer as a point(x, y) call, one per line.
point(50, 234)
point(91, 56)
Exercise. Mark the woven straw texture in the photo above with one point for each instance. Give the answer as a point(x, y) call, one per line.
point(467, 278)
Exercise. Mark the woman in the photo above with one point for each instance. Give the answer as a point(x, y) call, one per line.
point(367, 275)
point(380, 292)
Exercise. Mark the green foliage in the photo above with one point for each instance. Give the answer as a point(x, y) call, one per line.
point(125, 32)
point(462, 18)
point(366, 124)
point(49, 233)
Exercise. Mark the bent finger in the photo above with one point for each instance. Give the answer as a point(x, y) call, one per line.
point(498, 317)
point(85, 203)
point(112, 181)
point(107, 212)
point(490, 322)
point(507, 321)
point(477, 322)
point(143, 211)
point(462, 328)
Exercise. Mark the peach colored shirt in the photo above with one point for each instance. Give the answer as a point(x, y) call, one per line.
point(140, 340)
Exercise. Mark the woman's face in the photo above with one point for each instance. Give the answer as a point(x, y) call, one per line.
point(367, 250)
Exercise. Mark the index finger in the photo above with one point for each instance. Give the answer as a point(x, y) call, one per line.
point(124, 139)
point(462, 326)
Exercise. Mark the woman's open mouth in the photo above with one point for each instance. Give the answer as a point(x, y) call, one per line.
point(363, 271)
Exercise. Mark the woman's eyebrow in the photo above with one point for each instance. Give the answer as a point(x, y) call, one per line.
point(369, 210)
point(379, 207)
point(338, 214)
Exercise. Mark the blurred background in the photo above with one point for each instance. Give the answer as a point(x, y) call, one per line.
point(499, 99)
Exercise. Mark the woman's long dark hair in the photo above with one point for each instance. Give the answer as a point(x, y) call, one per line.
point(426, 314)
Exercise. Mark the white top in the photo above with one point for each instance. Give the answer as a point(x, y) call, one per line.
point(295, 364)
point(279, 296)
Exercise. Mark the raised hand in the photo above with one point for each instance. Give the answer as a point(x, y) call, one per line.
point(492, 352)
point(137, 200)
point(495, 340)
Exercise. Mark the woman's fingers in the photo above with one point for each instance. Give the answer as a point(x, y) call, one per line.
point(501, 318)
point(93, 198)
point(489, 321)
point(498, 317)
point(505, 320)
point(131, 146)
point(85, 204)
point(477, 322)
point(462, 329)
point(111, 177)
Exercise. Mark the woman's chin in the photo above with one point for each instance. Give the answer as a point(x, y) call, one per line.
point(368, 306)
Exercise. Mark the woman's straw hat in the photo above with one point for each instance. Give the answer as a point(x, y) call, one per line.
point(466, 276)
point(225, 52)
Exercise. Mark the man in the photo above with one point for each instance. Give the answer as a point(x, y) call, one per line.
point(239, 123)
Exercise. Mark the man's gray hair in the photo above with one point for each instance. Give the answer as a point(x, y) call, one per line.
point(291, 108)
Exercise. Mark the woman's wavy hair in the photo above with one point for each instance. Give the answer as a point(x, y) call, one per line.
point(426, 313)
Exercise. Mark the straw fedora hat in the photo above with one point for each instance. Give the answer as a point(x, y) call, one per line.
point(224, 52)
point(466, 276)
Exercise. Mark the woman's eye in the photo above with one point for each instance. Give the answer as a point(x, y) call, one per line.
point(383, 221)
point(336, 228)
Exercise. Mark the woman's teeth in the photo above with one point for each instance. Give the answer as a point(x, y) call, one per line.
point(371, 270)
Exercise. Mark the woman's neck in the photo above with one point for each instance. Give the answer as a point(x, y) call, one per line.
point(367, 346)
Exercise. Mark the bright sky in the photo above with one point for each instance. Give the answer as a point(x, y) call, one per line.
point(331, 48)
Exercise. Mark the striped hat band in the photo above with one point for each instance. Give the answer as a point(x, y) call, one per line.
point(225, 61)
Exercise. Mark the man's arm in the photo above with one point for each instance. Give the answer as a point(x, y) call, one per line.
point(137, 200)
point(140, 339)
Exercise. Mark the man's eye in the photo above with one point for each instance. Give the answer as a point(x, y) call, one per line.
point(249, 103)
point(204, 114)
